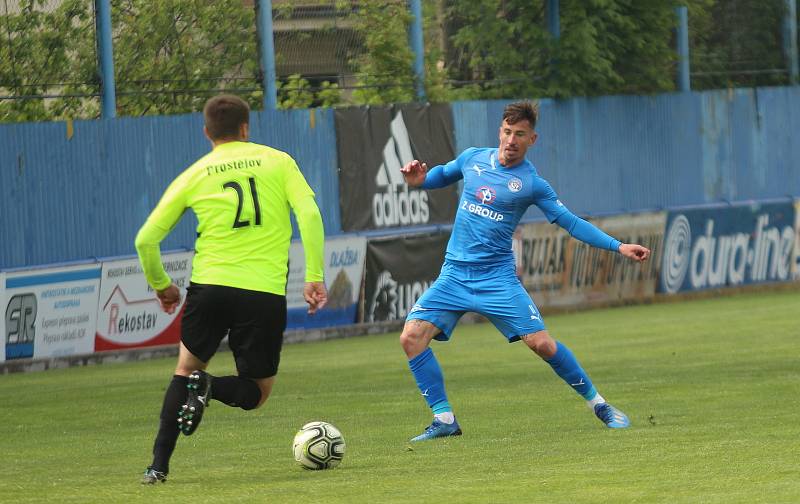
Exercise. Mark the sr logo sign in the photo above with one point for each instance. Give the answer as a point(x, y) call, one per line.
point(20, 326)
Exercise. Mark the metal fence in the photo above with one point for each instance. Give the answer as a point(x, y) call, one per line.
point(169, 56)
point(72, 191)
point(48, 60)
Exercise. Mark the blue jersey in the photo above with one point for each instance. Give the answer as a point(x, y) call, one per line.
point(493, 201)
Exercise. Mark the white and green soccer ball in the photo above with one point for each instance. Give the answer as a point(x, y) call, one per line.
point(318, 445)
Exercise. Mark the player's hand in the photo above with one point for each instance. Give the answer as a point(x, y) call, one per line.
point(169, 298)
point(414, 173)
point(316, 295)
point(635, 252)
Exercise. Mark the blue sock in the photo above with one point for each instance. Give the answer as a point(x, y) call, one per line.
point(430, 381)
point(566, 366)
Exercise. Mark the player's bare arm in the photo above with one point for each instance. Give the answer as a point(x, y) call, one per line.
point(634, 252)
point(414, 173)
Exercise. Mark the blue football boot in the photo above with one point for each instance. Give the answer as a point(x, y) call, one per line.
point(438, 429)
point(611, 416)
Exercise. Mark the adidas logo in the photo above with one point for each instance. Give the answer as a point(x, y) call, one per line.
point(394, 204)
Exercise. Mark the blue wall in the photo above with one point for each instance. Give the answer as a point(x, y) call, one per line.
point(64, 199)
point(612, 154)
point(74, 198)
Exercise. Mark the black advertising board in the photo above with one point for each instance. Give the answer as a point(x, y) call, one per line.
point(398, 270)
point(373, 143)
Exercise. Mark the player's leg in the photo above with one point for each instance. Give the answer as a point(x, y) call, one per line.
point(241, 392)
point(564, 363)
point(566, 366)
point(196, 327)
point(207, 319)
point(198, 389)
point(433, 316)
point(415, 340)
point(508, 305)
point(256, 339)
point(168, 430)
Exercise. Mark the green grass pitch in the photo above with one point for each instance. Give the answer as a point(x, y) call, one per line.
point(711, 387)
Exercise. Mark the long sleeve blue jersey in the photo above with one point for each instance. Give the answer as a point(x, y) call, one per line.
point(492, 203)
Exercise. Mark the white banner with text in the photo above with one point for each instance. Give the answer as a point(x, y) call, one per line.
point(344, 269)
point(128, 312)
point(50, 312)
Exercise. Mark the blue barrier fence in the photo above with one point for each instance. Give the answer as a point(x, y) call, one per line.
point(69, 192)
point(618, 154)
point(75, 191)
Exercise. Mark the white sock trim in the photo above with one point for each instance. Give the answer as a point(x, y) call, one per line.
point(598, 399)
point(446, 417)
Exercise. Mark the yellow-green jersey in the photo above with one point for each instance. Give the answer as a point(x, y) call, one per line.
point(241, 193)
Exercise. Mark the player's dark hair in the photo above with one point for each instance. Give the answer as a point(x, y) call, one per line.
point(521, 111)
point(224, 114)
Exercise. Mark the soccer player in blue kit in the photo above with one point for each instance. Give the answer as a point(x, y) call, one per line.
point(478, 274)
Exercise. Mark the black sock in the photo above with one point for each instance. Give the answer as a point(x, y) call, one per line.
point(168, 431)
point(236, 391)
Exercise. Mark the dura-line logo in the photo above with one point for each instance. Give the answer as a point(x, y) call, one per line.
point(394, 204)
point(713, 259)
point(677, 249)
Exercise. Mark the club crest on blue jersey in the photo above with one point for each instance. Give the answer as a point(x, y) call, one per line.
point(486, 195)
point(514, 185)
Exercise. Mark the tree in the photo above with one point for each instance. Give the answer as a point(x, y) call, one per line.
point(605, 47)
point(47, 54)
point(171, 56)
point(500, 45)
point(736, 43)
point(296, 92)
point(385, 67)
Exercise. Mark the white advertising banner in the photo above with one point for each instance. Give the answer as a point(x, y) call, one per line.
point(3, 315)
point(50, 312)
point(344, 269)
point(128, 312)
point(796, 261)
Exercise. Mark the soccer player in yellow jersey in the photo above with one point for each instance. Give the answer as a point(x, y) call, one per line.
point(242, 194)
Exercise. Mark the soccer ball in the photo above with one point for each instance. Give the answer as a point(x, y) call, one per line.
point(318, 445)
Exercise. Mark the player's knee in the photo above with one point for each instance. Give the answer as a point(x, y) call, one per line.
point(259, 397)
point(541, 343)
point(254, 405)
point(406, 340)
point(411, 341)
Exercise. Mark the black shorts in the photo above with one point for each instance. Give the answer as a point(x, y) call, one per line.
point(254, 322)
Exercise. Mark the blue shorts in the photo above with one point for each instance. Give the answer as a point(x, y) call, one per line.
point(493, 291)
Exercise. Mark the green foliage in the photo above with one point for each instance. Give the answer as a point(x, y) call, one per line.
point(171, 56)
point(297, 92)
point(615, 47)
point(328, 95)
point(48, 53)
point(170, 59)
point(710, 387)
point(736, 43)
point(501, 45)
point(385, 72)
point(438, 88)
point(605, 47)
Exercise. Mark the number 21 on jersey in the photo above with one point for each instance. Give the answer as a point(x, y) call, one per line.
point(237, 221)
